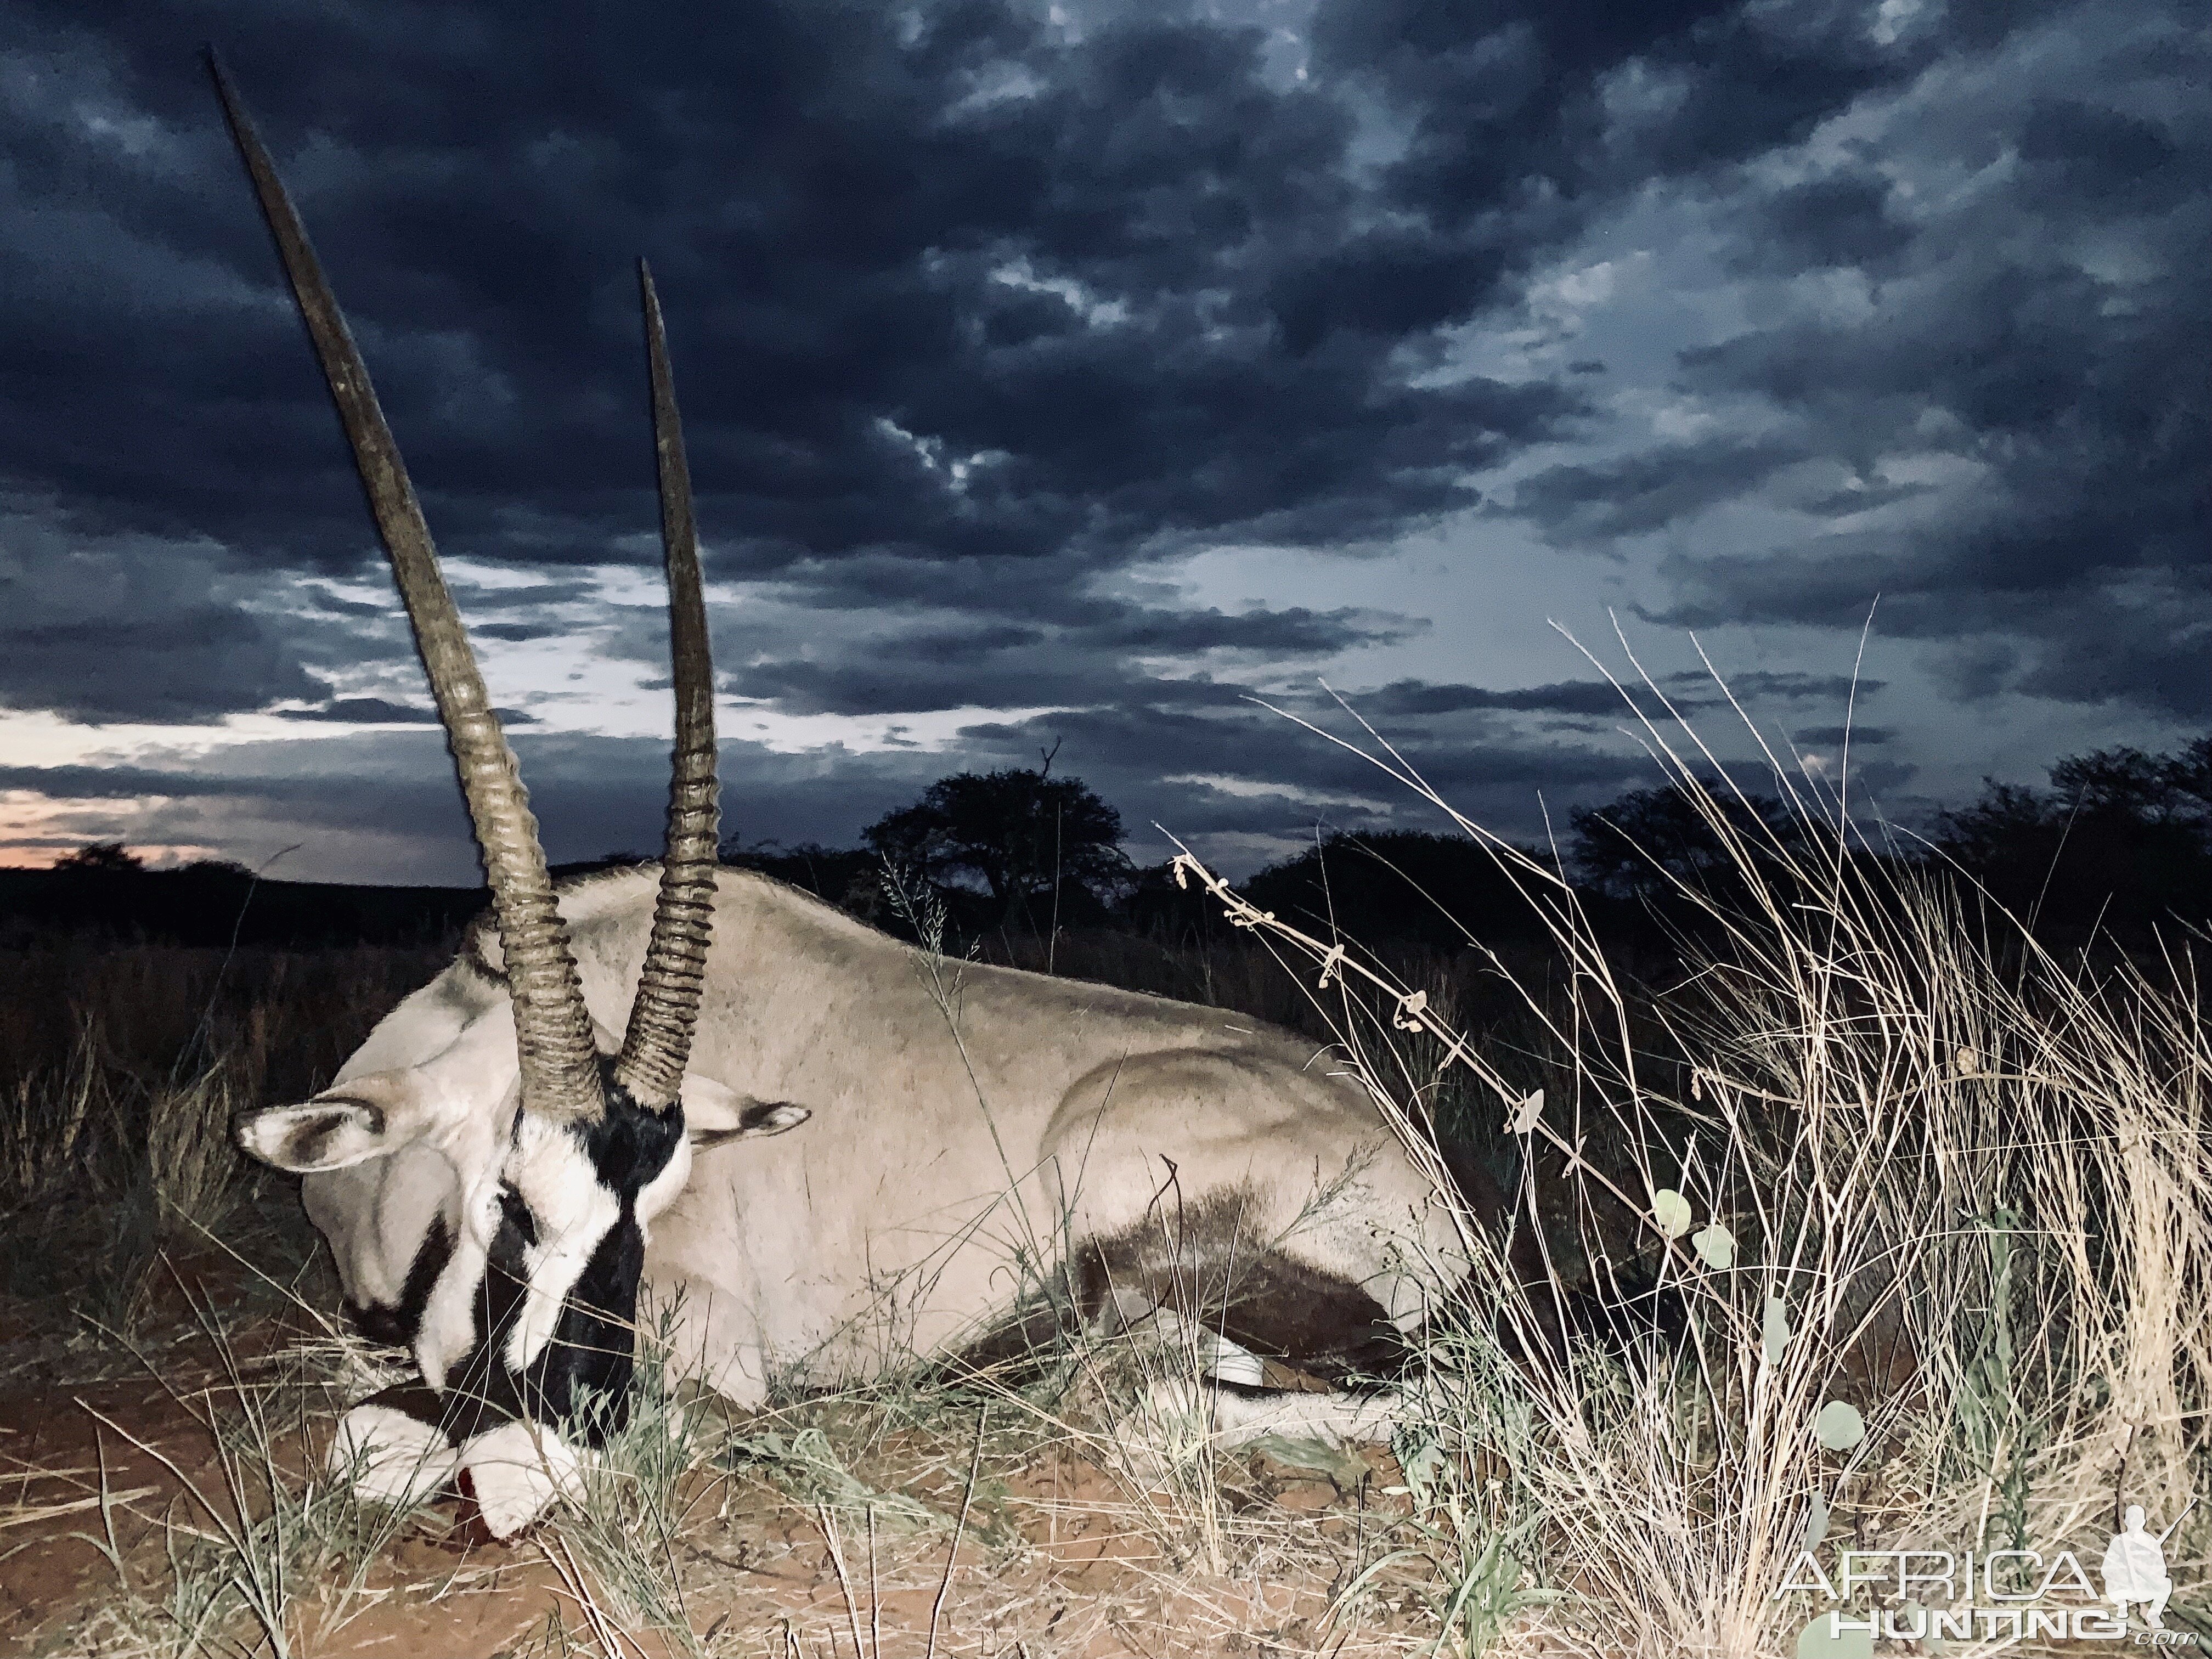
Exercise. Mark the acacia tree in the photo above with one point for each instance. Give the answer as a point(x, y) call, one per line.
point(1641, 844)
point(106, 857)
point(1023, 834)
point(2120, 844)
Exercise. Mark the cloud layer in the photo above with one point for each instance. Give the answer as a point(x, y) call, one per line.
point(987, 320)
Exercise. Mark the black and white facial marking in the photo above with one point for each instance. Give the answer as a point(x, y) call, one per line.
point(521, 1317)
point(395, 1325)
point(559, 1237)
point(523, 1323)
point(528, 1308)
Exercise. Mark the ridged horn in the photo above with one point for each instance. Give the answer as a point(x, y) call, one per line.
point(553, 1031)
point(658, 1043)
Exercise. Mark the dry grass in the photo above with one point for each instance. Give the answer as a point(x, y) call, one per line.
point(119, 1068)
point(1877, 1148)
point(1920, 1168)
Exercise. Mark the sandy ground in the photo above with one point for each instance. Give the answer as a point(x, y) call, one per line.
point(115, 1503)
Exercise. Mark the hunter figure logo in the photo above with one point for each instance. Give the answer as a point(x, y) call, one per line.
point(2134, 1571)
point(1931, 1596)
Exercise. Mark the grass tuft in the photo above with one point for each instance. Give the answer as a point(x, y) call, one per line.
point(1893, 1219)
point(1875, 1226)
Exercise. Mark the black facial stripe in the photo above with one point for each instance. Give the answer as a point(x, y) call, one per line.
point(399, 1325)
point(516, 1213)
point(592, 1354)
point(481, 1393)
point(631, 1145)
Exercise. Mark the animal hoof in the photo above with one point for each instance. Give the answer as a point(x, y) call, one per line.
point(516, 1471)
point(389, 1457)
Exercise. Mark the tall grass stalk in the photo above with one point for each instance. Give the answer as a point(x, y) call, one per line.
point(1878, 1150)
point(640, 1493)
point(270, 1541)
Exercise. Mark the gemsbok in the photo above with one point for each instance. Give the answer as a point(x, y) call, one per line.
point(830, 1152)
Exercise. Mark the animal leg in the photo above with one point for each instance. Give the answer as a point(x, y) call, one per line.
point(1261, 1302)
point(390, 1448)
point(1336, 1418)
point(1237, 1315)
point(515, 1472)
point(1213, 1355)
point(1228, 1389)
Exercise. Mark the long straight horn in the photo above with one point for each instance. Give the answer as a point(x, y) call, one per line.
point(560, 1063)
point(658, 1043)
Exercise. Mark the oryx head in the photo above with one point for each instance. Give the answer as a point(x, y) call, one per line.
point(569, 1152)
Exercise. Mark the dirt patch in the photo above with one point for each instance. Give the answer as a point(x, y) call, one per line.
point(177, 1508)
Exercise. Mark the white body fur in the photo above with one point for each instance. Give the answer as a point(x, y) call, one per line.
point(966, 1120)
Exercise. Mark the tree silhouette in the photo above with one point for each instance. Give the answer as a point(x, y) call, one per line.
point(1642, 844)
point(2153, 789)
point(1025, 836)
point(104, 856)
point(2120, 844)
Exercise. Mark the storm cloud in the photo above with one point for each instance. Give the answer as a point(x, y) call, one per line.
point(2007, 387)
point(911, 315)
point(994, 322)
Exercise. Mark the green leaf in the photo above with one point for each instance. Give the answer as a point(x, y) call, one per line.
point(1421, 1468)
point(1671, 1210)
point(1838, 1425)
point(1816, 1521)
point(1715, 1246)
point(1314, 1457)
point(1821, 1640)
point(1774, 1330)
point(1910, 1607)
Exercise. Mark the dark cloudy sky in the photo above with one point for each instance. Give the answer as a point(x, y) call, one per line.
point(1074, 373)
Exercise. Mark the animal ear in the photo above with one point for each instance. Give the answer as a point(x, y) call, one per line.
point(327, 1133)
point(379, 1112)
point(712, 1114)
point(364, 1117)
